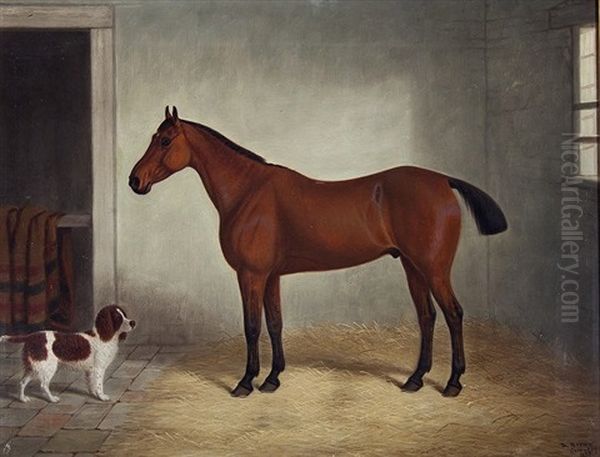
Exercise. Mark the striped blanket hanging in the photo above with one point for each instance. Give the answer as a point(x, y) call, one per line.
point(36, 273)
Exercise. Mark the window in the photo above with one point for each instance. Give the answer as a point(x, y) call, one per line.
point(586, 99)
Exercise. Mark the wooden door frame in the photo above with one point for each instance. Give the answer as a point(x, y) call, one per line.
point(99, 20)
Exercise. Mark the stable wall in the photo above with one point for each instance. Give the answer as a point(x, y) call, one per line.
point(332, 89)
point(529, 59)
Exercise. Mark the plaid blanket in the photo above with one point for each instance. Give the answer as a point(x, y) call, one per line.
point(36, 273)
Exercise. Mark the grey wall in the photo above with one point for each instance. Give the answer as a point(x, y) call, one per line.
point(529, 87)
point(331, 89)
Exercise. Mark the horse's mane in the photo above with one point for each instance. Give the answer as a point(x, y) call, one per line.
point(222, 138)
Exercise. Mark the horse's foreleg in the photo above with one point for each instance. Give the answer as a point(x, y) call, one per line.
point(252, 287)
point(274, 325)
point(419, 291)
point(442, 291)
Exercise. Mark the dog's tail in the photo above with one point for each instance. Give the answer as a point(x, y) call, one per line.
point(13, 338)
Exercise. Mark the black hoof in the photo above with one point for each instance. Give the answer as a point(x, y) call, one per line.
point(452, 390)
point(241, 391)
point(412, 385)
point(269, 386)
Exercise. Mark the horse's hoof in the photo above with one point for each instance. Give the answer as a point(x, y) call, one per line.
point(241, 391)
point(411, 385)
point(269, 387)
point(452, 390)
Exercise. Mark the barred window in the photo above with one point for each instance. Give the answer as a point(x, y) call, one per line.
point(586, 98)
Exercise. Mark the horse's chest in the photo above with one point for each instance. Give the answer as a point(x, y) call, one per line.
point(250, 241)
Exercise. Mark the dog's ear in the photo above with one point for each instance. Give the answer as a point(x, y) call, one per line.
point(105, 324)
point(117, 318)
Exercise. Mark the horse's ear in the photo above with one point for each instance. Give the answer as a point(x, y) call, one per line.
point(167, 114)
point(175, 115)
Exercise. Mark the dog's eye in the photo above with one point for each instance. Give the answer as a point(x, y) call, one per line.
point(164, 142)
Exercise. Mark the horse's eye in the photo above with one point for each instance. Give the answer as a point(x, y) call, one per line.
point(165, 142)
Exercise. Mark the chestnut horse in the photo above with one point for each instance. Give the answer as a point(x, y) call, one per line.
point(276, 221)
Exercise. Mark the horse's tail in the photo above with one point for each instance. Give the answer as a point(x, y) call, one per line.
point(13, 338)
point(488, 215)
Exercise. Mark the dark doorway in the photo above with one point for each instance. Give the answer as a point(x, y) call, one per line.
point(45, 135)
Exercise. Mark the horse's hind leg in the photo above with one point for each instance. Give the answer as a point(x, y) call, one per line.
point(274, 326)
point(419, 291)
point(444, 295)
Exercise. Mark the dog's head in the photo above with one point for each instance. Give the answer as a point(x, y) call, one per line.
point(111, 321)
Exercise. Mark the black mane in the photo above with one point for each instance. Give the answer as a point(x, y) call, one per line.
point(223, 139)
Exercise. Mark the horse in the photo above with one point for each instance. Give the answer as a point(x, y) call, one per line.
point(275, 221)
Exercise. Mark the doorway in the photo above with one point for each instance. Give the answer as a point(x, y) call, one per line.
point(57, 133)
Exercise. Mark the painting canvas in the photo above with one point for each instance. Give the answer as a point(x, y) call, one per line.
point(316, 227)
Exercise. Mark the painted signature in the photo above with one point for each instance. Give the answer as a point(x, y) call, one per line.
point(581, 448)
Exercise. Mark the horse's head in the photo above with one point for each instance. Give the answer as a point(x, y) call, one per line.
point(168, 152)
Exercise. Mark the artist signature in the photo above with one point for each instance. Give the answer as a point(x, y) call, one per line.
point(581, 448)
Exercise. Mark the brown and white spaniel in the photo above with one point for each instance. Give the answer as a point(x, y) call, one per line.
point(91, 351)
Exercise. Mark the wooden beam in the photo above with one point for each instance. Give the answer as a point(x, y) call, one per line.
point(103, 167)
point(51, 17)
point(75, 221)
point(586, 139)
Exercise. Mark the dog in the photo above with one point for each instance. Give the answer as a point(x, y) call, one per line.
point(91, 351)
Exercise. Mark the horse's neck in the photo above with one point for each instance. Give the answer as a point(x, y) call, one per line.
point(226, 174)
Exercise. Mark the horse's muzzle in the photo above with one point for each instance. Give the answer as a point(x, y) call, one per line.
point(134, 183)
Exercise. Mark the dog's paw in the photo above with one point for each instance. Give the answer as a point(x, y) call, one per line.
point(103, 397)
point(25, 399)
point(54, 399)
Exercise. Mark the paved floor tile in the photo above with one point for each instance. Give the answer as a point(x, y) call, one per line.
point(69, 403)
point(23, 446)
point(79, 424)
point(114, 366)
point(33, 391)
point(116, 417)
point(76, 441)
point(44, 424)
point(136, 396)
point(164, 359)
point(11, 417)
point(126, 349)
point(145, 378)
point(114, 388)
point(33, 403)
point(143, 353)
point(180, 348)
point(88, 417)
point(129, 369)
point(66, 376)
point(6, 433)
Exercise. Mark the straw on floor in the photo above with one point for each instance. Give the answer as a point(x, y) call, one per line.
point(340, 396)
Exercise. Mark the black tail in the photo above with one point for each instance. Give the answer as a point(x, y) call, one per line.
point(488, 215)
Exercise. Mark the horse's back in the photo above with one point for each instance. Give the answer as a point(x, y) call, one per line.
point(341, 223)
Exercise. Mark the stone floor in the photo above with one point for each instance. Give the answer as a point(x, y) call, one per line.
point(78, 424)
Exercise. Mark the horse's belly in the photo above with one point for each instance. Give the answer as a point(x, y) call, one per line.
point(303, 263)
point(332, 250)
